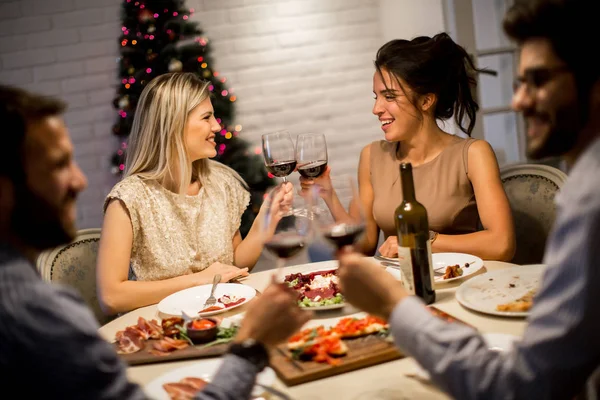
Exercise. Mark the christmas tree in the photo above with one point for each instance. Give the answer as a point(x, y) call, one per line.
point(157, 37)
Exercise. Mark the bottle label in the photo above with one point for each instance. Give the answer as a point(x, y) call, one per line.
point(405, 263)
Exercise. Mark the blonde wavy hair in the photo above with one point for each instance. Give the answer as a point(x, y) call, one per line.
point(156, 149)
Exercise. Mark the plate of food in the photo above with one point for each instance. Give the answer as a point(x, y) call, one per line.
point(317, 290)
point(509, 292)
point(184, 382)
point(229, 296)
point(453, 266)
point(448, 267)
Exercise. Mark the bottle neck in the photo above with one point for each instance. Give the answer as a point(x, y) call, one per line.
point(408, 186)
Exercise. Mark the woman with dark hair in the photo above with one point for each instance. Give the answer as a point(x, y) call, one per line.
point(418, 83)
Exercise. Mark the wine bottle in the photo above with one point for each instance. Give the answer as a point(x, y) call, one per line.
point(414, 248)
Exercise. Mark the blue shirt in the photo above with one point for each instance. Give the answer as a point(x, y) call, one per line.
point(50, 347)
point(561, 345)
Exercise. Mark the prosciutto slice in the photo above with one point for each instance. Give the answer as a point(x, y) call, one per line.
point(129, 341)
point(150, 328)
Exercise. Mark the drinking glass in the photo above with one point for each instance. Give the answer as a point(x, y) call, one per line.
point(342, 222)
point(279, 154)
point(285, 231)
point(311, 154)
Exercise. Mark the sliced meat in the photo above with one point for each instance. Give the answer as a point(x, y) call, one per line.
point(198, 383)
point(180, 391)
point(150, 328)
point(321, 293)
point(129, 342)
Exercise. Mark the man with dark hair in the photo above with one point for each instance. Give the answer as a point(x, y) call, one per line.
point(558, 92)
point(49, 344)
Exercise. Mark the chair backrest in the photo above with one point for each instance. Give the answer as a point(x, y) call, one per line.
point(531, 189)
point(74, 265)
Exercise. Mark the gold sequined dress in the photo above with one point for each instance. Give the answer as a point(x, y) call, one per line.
point(177, 234)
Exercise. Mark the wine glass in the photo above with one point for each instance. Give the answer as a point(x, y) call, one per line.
point(342, 222)
point(279, 154)
point(311, 154)
point(285, 232)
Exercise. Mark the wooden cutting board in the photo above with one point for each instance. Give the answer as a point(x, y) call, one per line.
point(362, 352)
point(143, 357)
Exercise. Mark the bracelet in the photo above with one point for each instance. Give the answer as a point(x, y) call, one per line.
point(432, 236)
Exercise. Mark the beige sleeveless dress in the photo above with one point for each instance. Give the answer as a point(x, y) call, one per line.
point(169, 229)
point(441, 185)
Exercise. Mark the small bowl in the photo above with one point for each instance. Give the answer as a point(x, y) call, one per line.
point(202, 335)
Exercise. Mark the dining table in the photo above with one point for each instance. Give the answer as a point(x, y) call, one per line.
point(390, 380)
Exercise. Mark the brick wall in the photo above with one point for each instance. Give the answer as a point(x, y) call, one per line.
point(301, 65)
point(68, 48)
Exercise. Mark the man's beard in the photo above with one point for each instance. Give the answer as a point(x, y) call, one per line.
point(564, 130)
point(37, 222)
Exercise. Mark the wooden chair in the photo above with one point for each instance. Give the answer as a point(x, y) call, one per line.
point(74, 265)
point(531, 189)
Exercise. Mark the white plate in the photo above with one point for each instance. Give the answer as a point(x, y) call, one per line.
point(484, 292)
point(442, 260)
point(192, 300)
point(204, 369)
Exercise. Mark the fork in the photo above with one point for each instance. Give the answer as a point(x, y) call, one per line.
point(211, 301)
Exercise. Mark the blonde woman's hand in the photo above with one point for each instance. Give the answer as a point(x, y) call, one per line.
point(389, 248)
point(227, 272)
point(322, 182)
point(278, 205)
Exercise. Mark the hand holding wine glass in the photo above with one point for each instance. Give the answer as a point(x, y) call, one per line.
point(342, 223)
point(279, 154)
point(311, 155)
point(285, 234)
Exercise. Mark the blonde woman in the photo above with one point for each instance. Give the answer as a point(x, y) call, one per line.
point(172, 222)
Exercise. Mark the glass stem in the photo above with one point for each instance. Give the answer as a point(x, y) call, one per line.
point(278, 276)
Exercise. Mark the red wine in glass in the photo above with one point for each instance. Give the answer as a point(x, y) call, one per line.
point(285, 244)
point(341, 235)
point(281, 169)
point(312, 169)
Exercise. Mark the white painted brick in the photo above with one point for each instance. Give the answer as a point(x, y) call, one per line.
point(17, 77)
point(38, 7)
point(20, 26)
point(112, 14)
point(87, 50)
point(88, 164)
point(252, 13)
point(75, 101)
point(89, 82)
point(27, 58)
point(9, 44)
point(80, 133)
point(10, 10)
point(104, 129)
point(56, 71)
point(208, 19)
point(110, 30)
point(254, 44)
point(52, 38)
point(103, 96)
point(85, 4)
point(50, 88)
point(101, 64)
point(96, 146)
point(76, 19)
